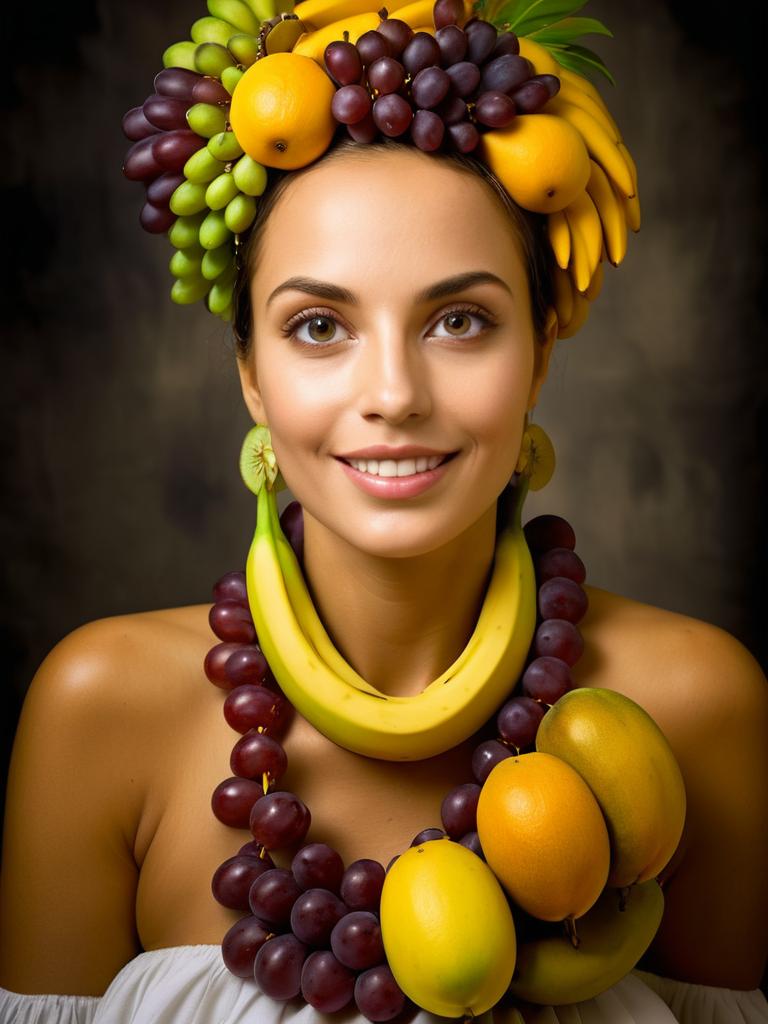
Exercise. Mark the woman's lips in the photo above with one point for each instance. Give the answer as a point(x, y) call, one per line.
point(397, 486)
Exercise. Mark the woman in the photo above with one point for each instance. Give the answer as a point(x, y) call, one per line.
point(126, 744)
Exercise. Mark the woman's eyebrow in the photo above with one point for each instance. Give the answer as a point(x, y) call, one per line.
point(438, 290)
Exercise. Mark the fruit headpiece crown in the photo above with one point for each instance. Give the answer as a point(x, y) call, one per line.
point(262, 86)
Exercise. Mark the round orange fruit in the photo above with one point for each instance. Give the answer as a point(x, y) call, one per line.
point(281, 111)
point(543, 835)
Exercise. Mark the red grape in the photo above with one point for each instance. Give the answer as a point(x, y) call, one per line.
point(209, 90)
point(231, 587)
point(561, 598)
point(452, 110)
point(552, 83)
point(248, 707)
point(141, 162)
point(165, 112)
point(485, 758)
point(472, 842)
point(427, 130)
point(356, 940)
point(326, 984)
point(233, 880)
point(241, 944)
point(530, 97)
point(136, 126)
point(314, 915)
point(362, 884)
point(392, 114)
point(257, 753)
point(464, 136)
point(233, 799)
point(559, 562)
point(377, 995)
point(252, 849)
point(373, 44)
point(549, 531)
point(343, 62)
point(162, 188)
point(399, 33)
point(453, 44)
point(177, 82)
point(173, 149)
point(559, 638)
point(421, 52)
point(427, 835)
point(272, 895)
point(458, 810)
point(350, 104)
point(279, 819)
point(482, 36)
point(546, 679)
point(278, 965)
point(215, 663)
point(386, 75)
point(465, 77)
point(365, 130)
point(518, 720)
point(230, 621)
point(430, 87)
point(495, 109)
point(318, 865)
point(156, 219)
point(506, 42)
point(447, 12)
point(292, 525)
point(246, 665)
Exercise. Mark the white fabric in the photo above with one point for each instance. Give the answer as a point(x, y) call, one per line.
point(191, 985)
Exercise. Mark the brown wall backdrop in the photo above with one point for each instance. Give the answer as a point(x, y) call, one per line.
point(122, 416)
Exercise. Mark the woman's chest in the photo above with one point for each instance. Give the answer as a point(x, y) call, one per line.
point(359, 806)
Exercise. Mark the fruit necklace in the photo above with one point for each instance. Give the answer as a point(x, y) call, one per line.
point(318, 930)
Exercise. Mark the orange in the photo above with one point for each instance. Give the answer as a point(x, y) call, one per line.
point(281, 111)
point(543, 835)
point(540, 159)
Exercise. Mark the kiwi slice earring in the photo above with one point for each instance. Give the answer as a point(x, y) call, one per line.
point(258, 462)
point(537, 456)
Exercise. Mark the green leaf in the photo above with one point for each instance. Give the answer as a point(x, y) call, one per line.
point(581, 60)
point(568, 29)
point(526, 16)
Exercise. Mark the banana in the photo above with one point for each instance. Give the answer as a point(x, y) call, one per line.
point(611, 213)
point(313, 44)
point(596, 284)
point(581, 308)
point(570, 78)
point(415, 14)
point(633, 203)
point(319, 13)
point(559, 238)
point(552, 972)
point(598, 142)
point(581, 249)
point(627, 762)
point(543, 61)
point(571, 94)
point(306, 614)
point(236, 13)
point(563, 298)
point(451, 708)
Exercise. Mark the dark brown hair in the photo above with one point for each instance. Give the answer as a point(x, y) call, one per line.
point(531, 230)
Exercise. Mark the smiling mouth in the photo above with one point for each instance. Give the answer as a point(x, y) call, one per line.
point(445, 458)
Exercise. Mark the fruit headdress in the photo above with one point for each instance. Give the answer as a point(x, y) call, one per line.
point(262, 85)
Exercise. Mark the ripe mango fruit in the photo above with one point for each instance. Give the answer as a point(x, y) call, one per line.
point(551, 971)
point(543, 835)
point(447, 929)
point(627, 762)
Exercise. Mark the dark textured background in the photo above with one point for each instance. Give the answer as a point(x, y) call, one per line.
point(122, 416)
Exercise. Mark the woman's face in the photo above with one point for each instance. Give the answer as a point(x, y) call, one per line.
point(411, 325)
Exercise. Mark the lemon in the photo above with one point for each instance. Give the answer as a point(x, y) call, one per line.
point(281, 111)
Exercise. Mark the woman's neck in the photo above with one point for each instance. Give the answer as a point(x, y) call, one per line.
point(399, 622)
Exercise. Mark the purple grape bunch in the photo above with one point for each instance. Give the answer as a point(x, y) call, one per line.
point(442, 89)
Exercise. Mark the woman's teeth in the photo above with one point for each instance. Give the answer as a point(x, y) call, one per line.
point(396, 467)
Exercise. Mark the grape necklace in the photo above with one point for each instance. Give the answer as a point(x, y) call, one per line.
point(313, 930)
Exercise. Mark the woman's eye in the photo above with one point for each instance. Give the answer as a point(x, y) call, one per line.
point(318, 329)
point(458, 323)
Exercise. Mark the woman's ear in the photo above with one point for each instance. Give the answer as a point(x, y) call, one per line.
point(246, 367)
point(543, 350)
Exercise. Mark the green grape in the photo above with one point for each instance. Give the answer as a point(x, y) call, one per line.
point(189, 289)
point(230, 77)
point(180, 55)
point(188, 198)
point(202, 167)
point(211, 30)
point(211, 59)
point(250, 176)
point(236, 13)
point(214, 231)
point(216, 261)
point(186, 262)
point(220, 298)
point(206, 119)
point(245, 49)
point(225, 147)
point(184, 233)
point(221, 191)
point(239, 213)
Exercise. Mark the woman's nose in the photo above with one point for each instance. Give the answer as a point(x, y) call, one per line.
point(393, 377)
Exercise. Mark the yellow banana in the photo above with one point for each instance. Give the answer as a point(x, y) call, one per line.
point(599, 143)
point(307, 617)
point(633, 203)
point(611, 214)
point(627, 762)
point(571, 94)
point(563, 297)
point(570, 78)
point(559, 238)
point(543, 62)
point(553, 972)
point(596, 284)
point(451, 708)
point(313, 44)
point(415, 13)
point(581, 308)
point(319, 13)
point(580, 268)
point(583, 214)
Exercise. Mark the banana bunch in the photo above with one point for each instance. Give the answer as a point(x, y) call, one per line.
point(327, 690)
point(593, 227)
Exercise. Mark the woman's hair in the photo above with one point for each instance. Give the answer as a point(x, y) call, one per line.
point(531, 230)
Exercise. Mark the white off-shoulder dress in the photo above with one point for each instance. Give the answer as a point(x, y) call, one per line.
point(191, 985)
